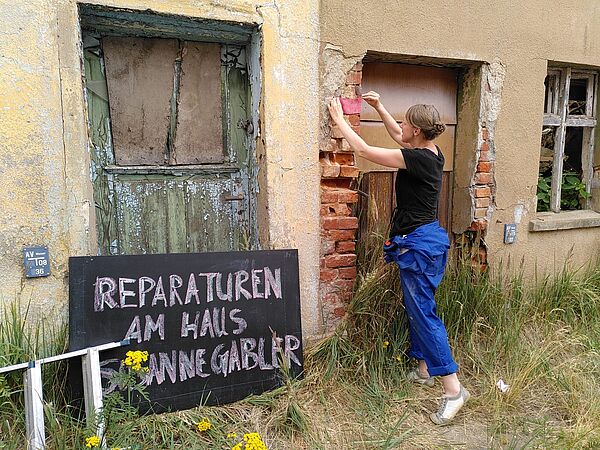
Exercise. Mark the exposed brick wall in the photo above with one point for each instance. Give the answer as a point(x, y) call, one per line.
point(482, 195)
point(338, 225)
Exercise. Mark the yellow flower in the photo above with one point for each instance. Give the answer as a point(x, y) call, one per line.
point(386, 344)
point(134, 359)
point(254, 442)
point(398, 358)
point(231, 435)
point(204, 424)
point(237, 447)
point(92, 441)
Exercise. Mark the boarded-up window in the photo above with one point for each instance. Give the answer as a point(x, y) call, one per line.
point(165, 101)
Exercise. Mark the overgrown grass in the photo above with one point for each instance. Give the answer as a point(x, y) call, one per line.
point(542, 338)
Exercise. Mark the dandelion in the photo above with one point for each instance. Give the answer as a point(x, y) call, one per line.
point(386, 344)
point(204, 424)
point(134, 359)
point(92, 441)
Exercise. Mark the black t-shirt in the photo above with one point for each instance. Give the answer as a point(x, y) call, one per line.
point(417, 190)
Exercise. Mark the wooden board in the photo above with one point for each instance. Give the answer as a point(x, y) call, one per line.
point(140, 75)
point(199, 136)
point(164, 214)
point(207, 347)
point(374, 133)
point(403, 85)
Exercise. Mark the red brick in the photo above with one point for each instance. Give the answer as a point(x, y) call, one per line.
point(485, 147)
point(483, 178)
point(339, 223)
point(339, 312)
point(341, 235)
point(345, 247)
point(329, 196)
point(485, 167)
point(478, 225)
point(347, 273)
point(349, 171)
point(348, 196)
point(337, 183)
point(332, 261)
point(485, 135)
point(358, 66)
point(346, 159)
point(333, 195)
point(485, 156)
point(483, 202)
point(329, 170)
point(479, 214)
point(353, 119)
point(353, 77)
point(482, 192)
point(335, 209)
point(328, 274)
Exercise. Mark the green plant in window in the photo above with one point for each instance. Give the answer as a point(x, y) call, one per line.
point(543, 193)
point(573, 192)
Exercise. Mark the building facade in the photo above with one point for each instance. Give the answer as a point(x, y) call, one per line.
point(136, 126)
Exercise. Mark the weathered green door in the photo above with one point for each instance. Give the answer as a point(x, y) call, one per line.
point(171, 160)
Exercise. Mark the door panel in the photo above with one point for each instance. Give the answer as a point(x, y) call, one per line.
point(199, 108)
point(158, 214)
point(403, 85)
point(139, 75)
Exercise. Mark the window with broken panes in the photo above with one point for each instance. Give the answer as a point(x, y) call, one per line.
point(566, 166)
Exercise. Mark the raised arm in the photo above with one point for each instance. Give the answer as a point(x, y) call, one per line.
point(392, 127)
point(384, 156)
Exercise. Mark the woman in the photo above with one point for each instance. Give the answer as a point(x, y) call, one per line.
point(418, 244)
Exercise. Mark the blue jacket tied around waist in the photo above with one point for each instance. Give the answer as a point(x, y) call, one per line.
point(424, 251)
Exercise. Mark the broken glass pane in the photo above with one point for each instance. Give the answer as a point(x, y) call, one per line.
point(578, 96)
point(573, 191)
point(550, 84)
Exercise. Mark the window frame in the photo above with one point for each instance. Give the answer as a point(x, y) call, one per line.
point(556, 114)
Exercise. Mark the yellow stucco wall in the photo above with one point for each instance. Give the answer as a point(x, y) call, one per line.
point(518, 37)
point(46, 197)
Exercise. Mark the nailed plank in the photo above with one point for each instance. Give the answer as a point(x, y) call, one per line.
point(140, 75)
point(199, 136)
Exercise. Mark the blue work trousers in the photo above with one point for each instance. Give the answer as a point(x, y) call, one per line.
point(428, 337)
point(421, 257)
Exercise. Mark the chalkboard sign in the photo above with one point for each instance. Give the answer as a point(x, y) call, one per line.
point(213, 323)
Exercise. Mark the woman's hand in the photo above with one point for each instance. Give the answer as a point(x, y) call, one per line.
point(372, 98)
point(335, 110)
